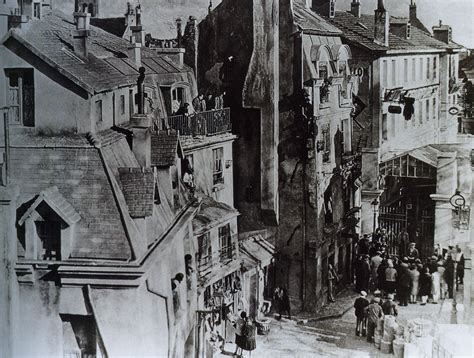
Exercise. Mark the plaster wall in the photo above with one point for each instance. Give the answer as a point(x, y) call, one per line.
point(73, 113)
point(203, 165)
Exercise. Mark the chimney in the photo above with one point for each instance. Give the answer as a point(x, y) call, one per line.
point(443, 33)
point(135, 51)
point(355, 8)
point(412, 11)
point(190, 43)
point(141, 126)
point(381, 25)
point(325, 7)
point(130, 16)
point(179, 30)
point(137, 30)
point(81, 33)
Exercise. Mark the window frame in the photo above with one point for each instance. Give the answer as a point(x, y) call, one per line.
point(218, 166)
point(225, 243)
point(24, 76)
point(99, 110)
point(204, 252)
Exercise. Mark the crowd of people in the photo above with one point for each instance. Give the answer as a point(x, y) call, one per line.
point(408, 278)
point(201, 103)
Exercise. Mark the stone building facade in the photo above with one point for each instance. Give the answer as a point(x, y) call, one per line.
point(292, 98)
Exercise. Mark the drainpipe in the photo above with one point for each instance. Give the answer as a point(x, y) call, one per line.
point(7, 146)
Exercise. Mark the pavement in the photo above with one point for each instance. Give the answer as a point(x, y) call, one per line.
point(330, 332)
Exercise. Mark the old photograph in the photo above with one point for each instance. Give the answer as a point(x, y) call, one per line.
point(236, 178)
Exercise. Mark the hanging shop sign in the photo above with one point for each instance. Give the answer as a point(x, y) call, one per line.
point(453, 111)
point(461, 218)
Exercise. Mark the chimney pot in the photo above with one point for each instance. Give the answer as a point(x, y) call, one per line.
point(355, 8)
point(381, 25)
point(81, 33)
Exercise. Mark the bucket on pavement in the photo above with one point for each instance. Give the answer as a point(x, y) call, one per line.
point(398, 348)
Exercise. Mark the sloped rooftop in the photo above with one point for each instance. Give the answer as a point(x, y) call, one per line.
point(360, 31)
point(107, 65)
point(164, 148)
point(211, 214)
point(311, 22)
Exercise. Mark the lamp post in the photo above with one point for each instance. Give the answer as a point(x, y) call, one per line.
point(375, 207)
point(458, 202)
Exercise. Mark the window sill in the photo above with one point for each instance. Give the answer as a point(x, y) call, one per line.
point(218, 187)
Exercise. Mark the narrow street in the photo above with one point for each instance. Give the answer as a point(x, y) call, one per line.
point(333, 337)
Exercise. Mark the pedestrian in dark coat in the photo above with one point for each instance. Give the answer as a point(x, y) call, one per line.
point(403, 284)
point(381, 275)
point(365, 273)
point(361, 303)
point(389, 307)
point(374, 313)
point(449, 275)
point(425, 285)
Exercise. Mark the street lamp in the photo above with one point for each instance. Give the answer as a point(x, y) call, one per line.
point(375, 207)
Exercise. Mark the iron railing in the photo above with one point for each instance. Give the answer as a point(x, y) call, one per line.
point(206, 123)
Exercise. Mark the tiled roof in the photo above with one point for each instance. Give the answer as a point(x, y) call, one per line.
point(211, 214)
point(360, 31)
point(309, 21)
point(57, 203)
point(164, 148)
point(137, 187)
point(107, 65)
point(81, 178)
point(258, 249)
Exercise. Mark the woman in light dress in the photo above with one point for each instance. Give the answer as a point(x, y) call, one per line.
point(415, 279)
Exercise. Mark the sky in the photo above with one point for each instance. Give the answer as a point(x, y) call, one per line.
point(457, 13)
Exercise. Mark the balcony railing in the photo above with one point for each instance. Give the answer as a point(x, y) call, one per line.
point(206, 123)
point(220, 257)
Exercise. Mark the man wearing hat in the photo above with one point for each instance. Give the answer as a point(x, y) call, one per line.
point(361, 303)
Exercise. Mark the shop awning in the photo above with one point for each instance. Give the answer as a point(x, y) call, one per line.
point(211, 214)
point(258, 250)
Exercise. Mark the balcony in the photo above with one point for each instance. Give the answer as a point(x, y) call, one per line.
point(216, 263)
point(208, 123)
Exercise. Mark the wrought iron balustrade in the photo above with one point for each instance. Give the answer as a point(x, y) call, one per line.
point(206, 123)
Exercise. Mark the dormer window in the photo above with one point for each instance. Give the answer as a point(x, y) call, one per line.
point(49, 224)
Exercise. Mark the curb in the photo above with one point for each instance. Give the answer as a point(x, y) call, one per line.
point(324, 318)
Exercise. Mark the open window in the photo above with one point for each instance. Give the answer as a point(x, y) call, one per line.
point(21, 96)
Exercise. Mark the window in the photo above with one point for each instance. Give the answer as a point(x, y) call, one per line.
point(98, 110)
point(122, 104)
point(21, 97)
point(435, 70)
point(332, 8)
point(49, 233)
point(323, 70)
point(225, 242)
point(156, 195)
point(420, 73)
point(384, 126)
point(405, 70)
point(394, 73)
point(218, 171)
point(326, 133)
point(413, 69)
point(346, 135)
point(427, 110)
point(131, 109)
point(204, 258)
point(428, 69)
point(421, 108)
point(384, 73)
point(37, 10)
point(434, 109)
